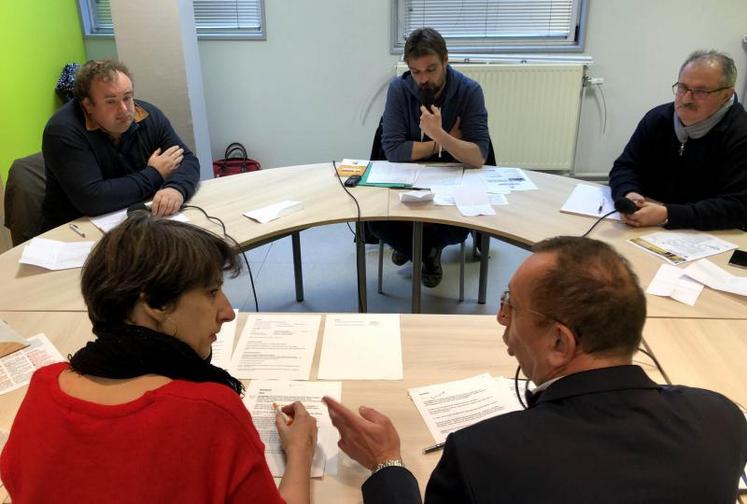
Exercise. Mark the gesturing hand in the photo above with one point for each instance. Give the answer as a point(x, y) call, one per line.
point(369, 439)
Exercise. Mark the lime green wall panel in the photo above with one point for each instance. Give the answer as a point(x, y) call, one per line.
point(37, 38)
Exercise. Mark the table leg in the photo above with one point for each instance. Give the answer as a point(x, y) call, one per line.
point(297, 271)
point(360, 261)
point(482, 290)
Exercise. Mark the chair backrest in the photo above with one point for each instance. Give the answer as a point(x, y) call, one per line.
point(27, 183)
point(377, 150)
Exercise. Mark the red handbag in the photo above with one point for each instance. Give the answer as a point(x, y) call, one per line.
point(235, 160)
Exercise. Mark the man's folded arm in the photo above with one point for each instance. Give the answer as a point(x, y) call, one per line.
point(72, 163)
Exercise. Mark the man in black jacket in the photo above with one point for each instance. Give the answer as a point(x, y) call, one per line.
point(104, 151)
point(597, 429)
point(686, 164)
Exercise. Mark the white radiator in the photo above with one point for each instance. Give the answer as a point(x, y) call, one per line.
point(533, 111)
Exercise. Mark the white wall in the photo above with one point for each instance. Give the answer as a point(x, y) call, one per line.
point(313, 91)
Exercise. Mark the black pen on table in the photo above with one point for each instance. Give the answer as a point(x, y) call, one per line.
point(433, 448)
point(75, 228)
point(601, 206)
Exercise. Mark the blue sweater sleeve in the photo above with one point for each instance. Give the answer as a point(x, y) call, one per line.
point(395, 137)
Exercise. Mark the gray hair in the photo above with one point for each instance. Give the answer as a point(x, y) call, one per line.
point(725, 63)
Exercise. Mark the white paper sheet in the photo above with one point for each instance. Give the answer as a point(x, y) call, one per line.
point(502, 178)
point(705, 272)
point(472, 200)
point(444, 196)
point(416, 196)
point(447, 407)
point(259, 400)
point(361, 347)
point(10, 340)
point(223, 345)
point(384, 172)
point(109, 221)
point(55, 255)
point(16, 369)
point(679, 247)
point(671, 281)
point(271, 212)
point(593, 201)
point(429, 176)
point(276, 347)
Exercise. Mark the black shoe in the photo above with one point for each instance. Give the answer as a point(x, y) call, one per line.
point(399, 258)
point(432, 272)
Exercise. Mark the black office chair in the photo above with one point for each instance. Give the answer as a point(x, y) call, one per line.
point(23, 199)
point(378, 154)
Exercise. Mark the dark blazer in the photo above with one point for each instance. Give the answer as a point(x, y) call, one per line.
point(607, 435)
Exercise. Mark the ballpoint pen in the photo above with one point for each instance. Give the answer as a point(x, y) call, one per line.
point(75, 228)
point(601, 207)
point(433, 448)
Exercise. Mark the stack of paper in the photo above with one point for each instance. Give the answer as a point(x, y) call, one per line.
point(594, 201)
point(55, 255)
point(264, 396)
point(222, 348)
point(685, 285)
point(679, 247)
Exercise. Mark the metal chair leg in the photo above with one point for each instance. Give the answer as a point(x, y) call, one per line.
point(462, 247)
point(381, 268)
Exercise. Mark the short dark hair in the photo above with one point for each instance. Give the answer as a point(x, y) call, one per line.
point(158, 259)
point(92, 70)
point(725, 63)
point(593, 290)
point(425, 41)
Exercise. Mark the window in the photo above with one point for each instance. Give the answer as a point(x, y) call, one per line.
point(494, 26)
point(214, 19)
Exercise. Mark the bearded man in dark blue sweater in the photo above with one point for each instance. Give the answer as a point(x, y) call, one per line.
point(104, 151)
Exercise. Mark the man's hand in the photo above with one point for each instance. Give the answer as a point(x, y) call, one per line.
point(369, 439)
point(648, 214)
point(430, 122)
point(167, 161)
point(297, 430)
point(166, 201)
point(636, 198)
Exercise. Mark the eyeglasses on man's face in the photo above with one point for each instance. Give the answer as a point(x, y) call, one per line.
point(506, 303)
point(679, 89)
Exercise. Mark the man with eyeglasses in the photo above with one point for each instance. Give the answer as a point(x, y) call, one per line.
point(597, 428)
point(686, 164)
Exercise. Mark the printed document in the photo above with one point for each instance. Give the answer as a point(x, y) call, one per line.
point(502, 179)
point(361, 347)
point(705, 272)
point(429, 176)
point(263, 396)
point(384, 172)
point(448, 407)
point(276, 347)
point(590, 200)
point(679, 247)
point(16, 369)
point(56, 255)
point(223, 346)
point(670, 281)
point(472, 200)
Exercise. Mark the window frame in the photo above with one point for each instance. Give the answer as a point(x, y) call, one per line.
point(461, 47)
point(91, 28)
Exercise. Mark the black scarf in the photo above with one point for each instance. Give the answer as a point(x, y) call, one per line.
point(129, 351)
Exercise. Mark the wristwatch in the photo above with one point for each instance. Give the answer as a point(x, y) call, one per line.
point(388, 463)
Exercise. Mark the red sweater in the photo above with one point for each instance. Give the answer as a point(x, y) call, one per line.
point(183, 442)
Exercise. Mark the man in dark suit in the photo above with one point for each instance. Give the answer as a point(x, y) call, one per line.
point(596, 429)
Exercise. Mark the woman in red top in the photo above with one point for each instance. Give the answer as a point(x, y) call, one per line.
point(139, 414)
